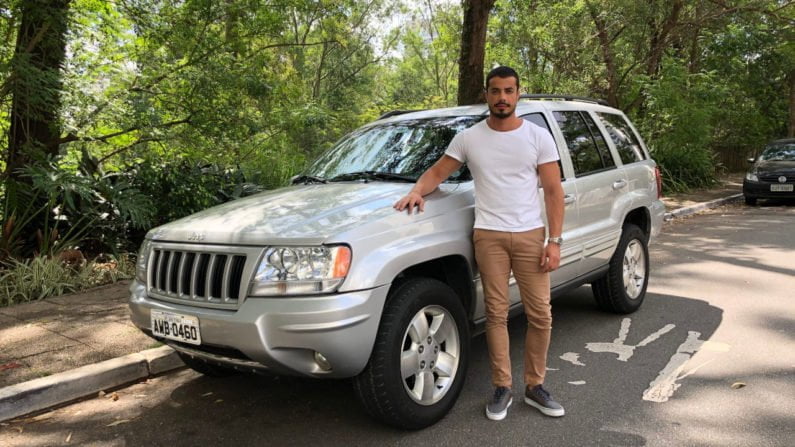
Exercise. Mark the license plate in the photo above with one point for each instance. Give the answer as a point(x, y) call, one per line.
point(781, 188)
point(184, 328)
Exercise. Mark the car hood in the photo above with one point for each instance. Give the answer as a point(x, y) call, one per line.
point(305, 214)
point(784, 167)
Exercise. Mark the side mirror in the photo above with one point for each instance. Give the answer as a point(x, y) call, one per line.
point(752, 160)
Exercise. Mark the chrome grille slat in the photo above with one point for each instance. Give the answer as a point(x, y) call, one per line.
point(208, 281)
point(169, 280)
point(180, 274)
point(194, 275)
point(202, 278)
point(227, 271)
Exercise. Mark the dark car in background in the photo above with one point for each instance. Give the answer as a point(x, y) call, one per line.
point(772, 175)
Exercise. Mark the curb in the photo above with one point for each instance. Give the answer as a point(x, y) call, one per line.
point(39, 394)
point(692, 209)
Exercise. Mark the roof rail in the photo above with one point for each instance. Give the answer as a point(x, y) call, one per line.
point(564, 97)
point(396, 112)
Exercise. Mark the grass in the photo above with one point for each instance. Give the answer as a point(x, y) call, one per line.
point(43, 276)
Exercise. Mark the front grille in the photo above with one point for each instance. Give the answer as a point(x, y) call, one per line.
point(197, 277)
point(774, 178)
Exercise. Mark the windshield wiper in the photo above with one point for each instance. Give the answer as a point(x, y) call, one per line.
point(372, 175)
point(307, 179)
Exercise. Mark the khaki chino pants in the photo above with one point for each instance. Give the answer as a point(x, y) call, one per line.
point(497, 254)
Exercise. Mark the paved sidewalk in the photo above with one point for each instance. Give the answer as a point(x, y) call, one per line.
point(729, 185)
point(62, 348)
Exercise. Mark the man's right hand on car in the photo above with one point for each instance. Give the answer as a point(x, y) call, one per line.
point(409, 201)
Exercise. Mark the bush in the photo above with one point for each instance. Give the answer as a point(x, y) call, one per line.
point(44, 276)
point(679, 118)
point(189, 186)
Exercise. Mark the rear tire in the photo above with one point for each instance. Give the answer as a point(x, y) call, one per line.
point(623, 287)
point(750, 201)
point(419, 361)
point(202, 367)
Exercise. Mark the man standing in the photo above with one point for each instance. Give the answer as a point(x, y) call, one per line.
point(507, 157)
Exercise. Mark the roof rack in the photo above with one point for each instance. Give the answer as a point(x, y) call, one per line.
point(564, 97)
point(396, 112)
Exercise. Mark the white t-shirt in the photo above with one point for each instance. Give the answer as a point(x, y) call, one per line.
point(504, 166)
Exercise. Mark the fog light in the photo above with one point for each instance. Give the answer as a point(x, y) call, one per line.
point(322, 362)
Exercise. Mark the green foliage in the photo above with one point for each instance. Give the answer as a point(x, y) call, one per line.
point(44, 276)
point(189, 186)
point(697, 77)
point(681, 112)
point(200, 100)
point(95, 211)
point(35, 279)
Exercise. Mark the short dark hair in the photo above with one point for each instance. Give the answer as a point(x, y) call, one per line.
point(502, 72)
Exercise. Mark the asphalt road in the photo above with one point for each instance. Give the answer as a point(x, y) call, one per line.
point(708, 360)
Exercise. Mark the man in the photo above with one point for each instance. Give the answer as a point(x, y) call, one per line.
point(507, 157)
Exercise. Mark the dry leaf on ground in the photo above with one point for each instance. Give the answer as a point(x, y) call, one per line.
point(738, 385)
point(120, 421)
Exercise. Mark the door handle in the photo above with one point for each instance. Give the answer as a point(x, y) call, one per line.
point(618, 184)
point(569, 199)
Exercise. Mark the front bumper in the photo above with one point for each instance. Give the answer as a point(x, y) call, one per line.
point(761, 190)
point(280, 335)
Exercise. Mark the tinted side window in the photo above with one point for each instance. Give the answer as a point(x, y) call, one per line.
point(539, 120)
point(623, 137)
point(584, 154)
point(601, 144)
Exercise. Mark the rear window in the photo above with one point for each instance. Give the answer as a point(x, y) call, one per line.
point(587, 155)
point(625, 140)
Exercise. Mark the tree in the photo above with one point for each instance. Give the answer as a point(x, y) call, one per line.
point(35, 82)
point(473, 51)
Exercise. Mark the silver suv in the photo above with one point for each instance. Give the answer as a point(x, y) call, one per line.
point(325, 279)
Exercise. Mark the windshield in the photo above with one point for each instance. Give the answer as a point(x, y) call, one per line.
point(405, 148)
point(779, 152)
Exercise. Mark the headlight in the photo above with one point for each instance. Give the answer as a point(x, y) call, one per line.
point(143, 259)
point(751, 177)
point(301, 270)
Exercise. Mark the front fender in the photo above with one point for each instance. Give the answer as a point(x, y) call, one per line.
point(381, 257)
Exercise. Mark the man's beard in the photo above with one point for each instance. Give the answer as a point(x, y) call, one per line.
point(502, 115)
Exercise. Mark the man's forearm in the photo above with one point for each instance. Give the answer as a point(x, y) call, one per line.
point(554, 207)
point(427, 182)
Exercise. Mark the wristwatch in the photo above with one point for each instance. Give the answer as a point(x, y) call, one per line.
point(555, 240)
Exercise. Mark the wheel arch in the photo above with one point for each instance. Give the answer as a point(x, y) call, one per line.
point(452, 270)
point(641, 218)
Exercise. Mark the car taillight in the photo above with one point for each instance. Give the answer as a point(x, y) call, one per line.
point(658, 177)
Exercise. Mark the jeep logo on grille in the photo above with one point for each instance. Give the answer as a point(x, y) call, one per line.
point(196, 236)
point(782, 179)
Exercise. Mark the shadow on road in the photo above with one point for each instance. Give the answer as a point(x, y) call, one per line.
point(260, 410)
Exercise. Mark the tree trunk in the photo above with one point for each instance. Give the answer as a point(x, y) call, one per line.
point(36, 83)
point(473, 51)
point(607, 55)
point(791, 129)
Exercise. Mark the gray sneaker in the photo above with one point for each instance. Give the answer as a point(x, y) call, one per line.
point(497, 408)
point(540, 398)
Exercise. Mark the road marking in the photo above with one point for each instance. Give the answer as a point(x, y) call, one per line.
point(625, 351)
point(578, 382)
point(573, 358)
point(663, 387)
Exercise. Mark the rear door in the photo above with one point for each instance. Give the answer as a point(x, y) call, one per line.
point(571, 250)
point(635, 161)
point(601, 187)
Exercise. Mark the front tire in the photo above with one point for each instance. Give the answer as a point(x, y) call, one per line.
point(419, 361)
point(623, 288)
